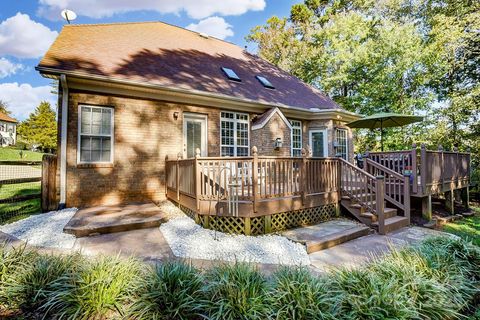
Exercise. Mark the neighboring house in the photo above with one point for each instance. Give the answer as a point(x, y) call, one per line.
point(8, 130)
point(137, 92)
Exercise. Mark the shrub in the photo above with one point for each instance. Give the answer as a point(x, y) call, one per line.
point(297, 294)
point(169, 291)
point(237, 291)
point(97, 289)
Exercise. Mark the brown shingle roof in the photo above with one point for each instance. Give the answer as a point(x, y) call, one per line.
point(7, 118)
point(166, 55)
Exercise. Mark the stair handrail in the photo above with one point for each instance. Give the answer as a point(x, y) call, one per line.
point(364, 188)
point(398, 186)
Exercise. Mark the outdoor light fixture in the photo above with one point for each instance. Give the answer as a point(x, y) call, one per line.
point(278, 143)
point(175, 115)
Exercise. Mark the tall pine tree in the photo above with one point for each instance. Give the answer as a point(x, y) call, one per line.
point(40, 128)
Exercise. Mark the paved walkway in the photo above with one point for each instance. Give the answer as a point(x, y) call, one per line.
point(150, 245)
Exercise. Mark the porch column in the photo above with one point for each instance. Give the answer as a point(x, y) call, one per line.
point(427, 207)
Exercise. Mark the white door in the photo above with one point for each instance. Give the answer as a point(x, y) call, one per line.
point(318, 142)
point(194, 134)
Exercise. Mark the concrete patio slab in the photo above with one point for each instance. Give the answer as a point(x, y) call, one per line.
point(361, 250)
point(110, 219)
point(327, 234)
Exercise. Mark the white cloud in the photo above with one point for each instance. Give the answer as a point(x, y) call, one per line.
point(213, 26)
point(197, 9)
point(22, 99)
point(8, 68)
point(24, 38)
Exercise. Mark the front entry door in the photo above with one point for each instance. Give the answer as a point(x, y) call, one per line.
point(318, 141)
point(194, 135)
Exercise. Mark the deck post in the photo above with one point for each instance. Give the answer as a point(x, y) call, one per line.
point(339, 187)
point(427, 207)
point(414, 169)
point(255, 177)
point(440, 149)
point(248, 227)
point(406, 194)
point(423, 169)
point(380, 203)
point(177, 164)
point(197, 179)
point(303, 176)
point(268, 224)
point(466, 197)
point(450, 201)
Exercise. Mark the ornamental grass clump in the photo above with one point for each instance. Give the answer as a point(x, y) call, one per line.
point(33, 283)
point(100, 288)
point(12, 262)
point(168, 291)
point(297, 294)
point(237, 291)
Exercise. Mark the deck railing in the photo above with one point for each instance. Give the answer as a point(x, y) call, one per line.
point(364, 188)
point(430, 171)
point(251, 180)
point(396, 186)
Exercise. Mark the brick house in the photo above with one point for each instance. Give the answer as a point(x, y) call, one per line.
point(133, 93)
point(8, 130)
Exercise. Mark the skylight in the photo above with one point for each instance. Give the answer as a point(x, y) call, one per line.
point(265, 82)
point(231, 74)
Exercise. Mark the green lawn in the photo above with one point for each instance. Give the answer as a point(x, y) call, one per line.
point(10, 212)
point(11, 154)
point(468, 228)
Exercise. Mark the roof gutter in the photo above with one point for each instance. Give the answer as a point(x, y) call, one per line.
point(312, 111)
point(63, 142)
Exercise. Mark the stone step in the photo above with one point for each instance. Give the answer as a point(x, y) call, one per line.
point(111, 219)
point(335, 239)
point(394, 223)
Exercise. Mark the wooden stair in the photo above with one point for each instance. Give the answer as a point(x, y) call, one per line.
point(392, 220)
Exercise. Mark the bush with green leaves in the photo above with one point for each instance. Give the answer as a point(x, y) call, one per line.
point(297, 294)
point(172, 290)
point(237, 291)
point(99, 288)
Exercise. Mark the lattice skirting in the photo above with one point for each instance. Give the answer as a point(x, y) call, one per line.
point(265, 224)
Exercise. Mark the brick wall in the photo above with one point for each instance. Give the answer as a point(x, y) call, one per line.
point(264, 138)
point(146, 131)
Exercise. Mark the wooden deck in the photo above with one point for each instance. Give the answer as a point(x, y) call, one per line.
point(259, 187)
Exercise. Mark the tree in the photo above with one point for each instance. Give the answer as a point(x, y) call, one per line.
point(4, 108)
point(40, 128)
point(403, 56)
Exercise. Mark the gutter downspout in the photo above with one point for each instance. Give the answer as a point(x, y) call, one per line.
point(63, 142)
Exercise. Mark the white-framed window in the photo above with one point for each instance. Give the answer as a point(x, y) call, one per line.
point(296, 138)
point(234, 134)
point(341, 139)
point(95, 134)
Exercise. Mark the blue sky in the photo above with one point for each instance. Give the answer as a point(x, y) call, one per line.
point(28, 27)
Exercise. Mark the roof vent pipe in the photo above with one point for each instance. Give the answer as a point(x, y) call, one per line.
point(203, 35)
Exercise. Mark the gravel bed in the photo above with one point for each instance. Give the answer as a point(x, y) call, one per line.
point(189, 240)
point(44, 230)
point(171, 210)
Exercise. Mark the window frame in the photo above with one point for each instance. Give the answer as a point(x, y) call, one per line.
point(291, 136)
point(80, 134)
point(235, 129)
point(338, 144)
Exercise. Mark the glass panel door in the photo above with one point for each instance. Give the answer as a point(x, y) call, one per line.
point(318, 141)
point(194, 132)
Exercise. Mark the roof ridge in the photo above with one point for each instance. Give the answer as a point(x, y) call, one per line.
point(147, 22)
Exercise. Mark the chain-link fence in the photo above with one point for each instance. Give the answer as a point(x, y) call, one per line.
point(20, 189)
